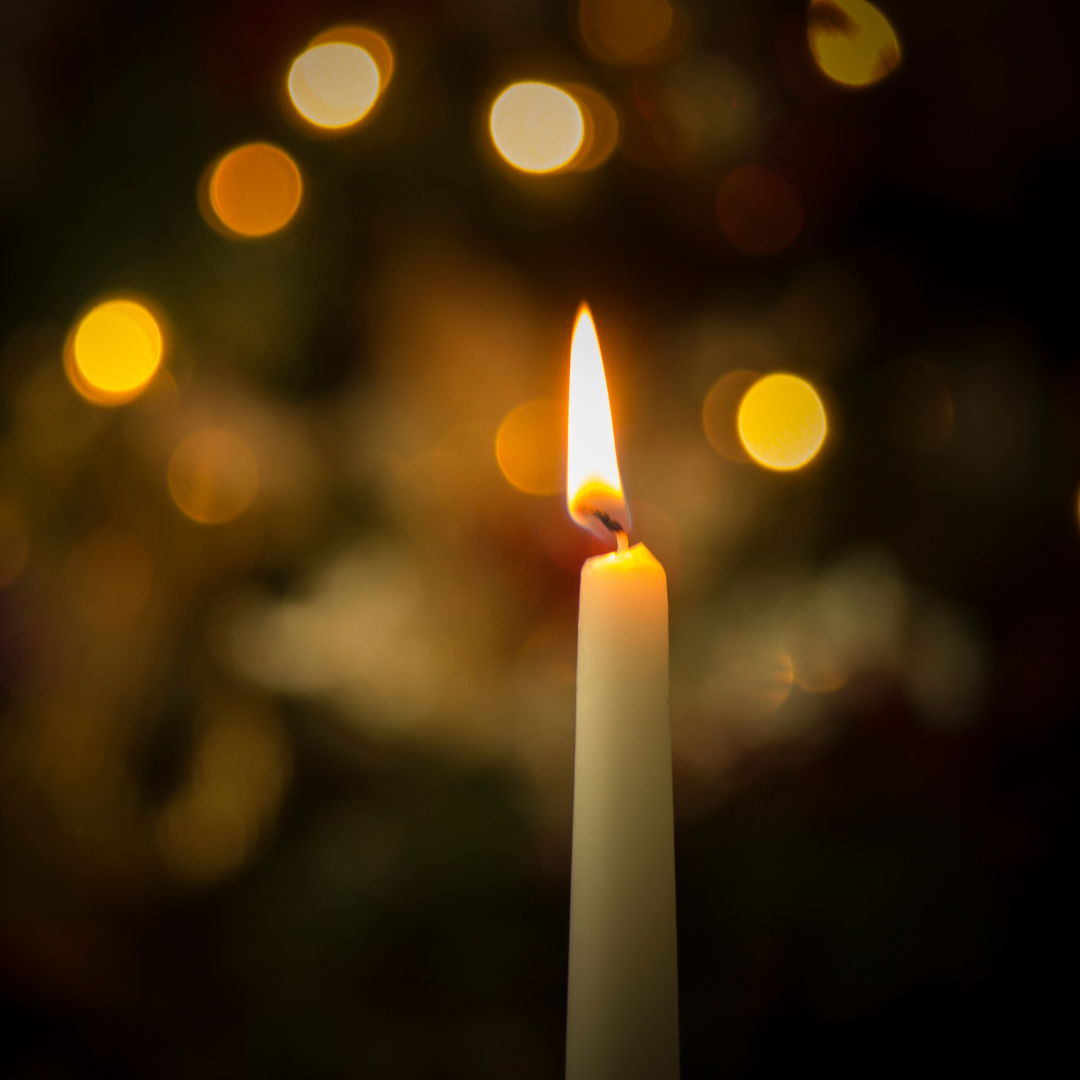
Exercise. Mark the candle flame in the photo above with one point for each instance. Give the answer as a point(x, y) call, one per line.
point(594, 492)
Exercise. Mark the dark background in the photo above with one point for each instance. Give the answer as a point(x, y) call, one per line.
point(888, 895)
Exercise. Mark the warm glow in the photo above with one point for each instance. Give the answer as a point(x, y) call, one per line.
point(626, 31)
point(529, 447)
point(536, 127)
point(782, 422)
point(852, 41)
point(113, 352)
point(593, 488)
point(601, 128)
point(213, 476)
point(334, 85)
point(255, 190)
point(371, 41)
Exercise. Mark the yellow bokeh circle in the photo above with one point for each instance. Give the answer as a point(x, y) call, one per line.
point(114, 351)
point(334, 85)
point(529, 447)
point(213, 476)
point(536, 127)
point(851, 41)
point(782, 422)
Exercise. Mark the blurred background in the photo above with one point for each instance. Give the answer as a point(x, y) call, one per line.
point(287, 625)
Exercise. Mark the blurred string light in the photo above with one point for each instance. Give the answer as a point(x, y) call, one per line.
point(536, 127)
point(114, 351)
point(629, 32)
point(851, 41)
point(759, 211)
point(337, 80)
point(14, 545)
point(213, 476)
point(334, 85)
point(529, 447)
point(252, 191)
point(782, 422)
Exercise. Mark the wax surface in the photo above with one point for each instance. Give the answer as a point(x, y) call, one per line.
point(622, 1010)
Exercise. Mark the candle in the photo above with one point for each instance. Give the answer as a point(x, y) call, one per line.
point(622, 1002)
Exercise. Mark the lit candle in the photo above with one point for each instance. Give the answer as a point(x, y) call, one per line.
point(622, 1007)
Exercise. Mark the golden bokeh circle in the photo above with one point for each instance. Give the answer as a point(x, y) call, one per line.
point(113, 351)
point(213, 476)
point(334, 84)
point(782, 422)
point(254, 190)
point(536, 127)
point(529, 446)
point(852, 42)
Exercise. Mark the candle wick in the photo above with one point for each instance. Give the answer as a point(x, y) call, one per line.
point(609, 523)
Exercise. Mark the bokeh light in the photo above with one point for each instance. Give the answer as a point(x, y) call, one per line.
point(113, 352)
point(371, 41)
point(601, 121)
point(751, 677)
point(529, 446)
point(536, 127)
point(782, 422)
point(107, 578)
point(254, 190)
point(334, 85)
point(213, 476)
point(361, 636)
point(14, 545)
point(626, 31)
point(720, 413)
point(852, 41)
point(760, 212)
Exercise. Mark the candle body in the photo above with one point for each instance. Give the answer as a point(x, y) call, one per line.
point(622, 1007)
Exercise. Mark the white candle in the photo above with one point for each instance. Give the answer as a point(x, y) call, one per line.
point(622, 1007)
